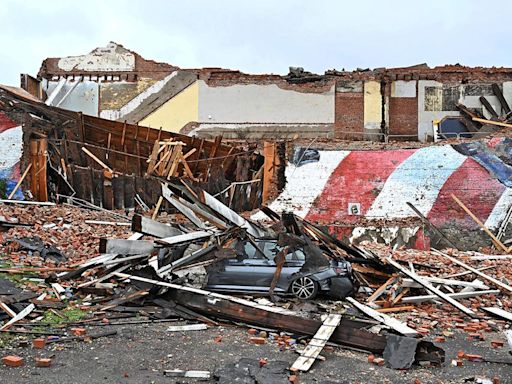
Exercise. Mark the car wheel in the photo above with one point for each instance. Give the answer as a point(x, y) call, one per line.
point(304, 288)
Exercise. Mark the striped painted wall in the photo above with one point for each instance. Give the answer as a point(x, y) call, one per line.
point(11, 140)
point(383, 181)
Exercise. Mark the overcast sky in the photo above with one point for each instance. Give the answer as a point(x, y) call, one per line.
point(259, 36)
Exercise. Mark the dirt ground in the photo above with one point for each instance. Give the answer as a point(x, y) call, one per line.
point(140, 354)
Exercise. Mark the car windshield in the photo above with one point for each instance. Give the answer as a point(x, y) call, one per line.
point(270, 248)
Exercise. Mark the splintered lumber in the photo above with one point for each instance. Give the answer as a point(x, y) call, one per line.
point(379, 291)
point(392, 323)
point(497, 92)
point(153, 228)
point(457, 295)
point(126, 247)
point(186, 237)
point(489, 107)
point(19, 182)
point(186, 211)
point(115, 223)
point(437, 280)
point(476, 220)
point(316, 344)
point(187, 327)
point(230, 215)
point(7, 310)
point(101, 163)
point(499, 312)
point(429, 287)
point(189, 374)
point(18, 317)
point(475, 271)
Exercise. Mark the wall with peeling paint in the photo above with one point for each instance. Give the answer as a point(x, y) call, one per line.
point(323, 191)
point(372, 106)
point(177, 112)
point(265, 103)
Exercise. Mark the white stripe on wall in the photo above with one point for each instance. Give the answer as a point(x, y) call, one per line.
point(305, 183)
point(500, 210)
point(417, 180)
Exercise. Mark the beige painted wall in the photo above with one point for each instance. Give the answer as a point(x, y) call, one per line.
point(372, 105)
point(177, 112)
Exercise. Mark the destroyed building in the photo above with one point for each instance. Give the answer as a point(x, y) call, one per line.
point(410, 103)
point(140, 193)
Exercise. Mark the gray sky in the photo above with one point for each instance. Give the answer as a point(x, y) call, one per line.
point(260, 36)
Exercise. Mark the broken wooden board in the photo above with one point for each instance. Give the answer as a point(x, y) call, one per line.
point(185, 238)
point(187, 327)
point(392, 323)
point(189, 374)
point(458, 295)
point(475, 271)
point(316, 344)
point(499, 312)
point(186, 211)
point(126, 247)
point(431, 288)
point(153, 228)
point(18, 317)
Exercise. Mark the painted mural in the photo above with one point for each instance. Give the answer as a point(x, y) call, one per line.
point(346, 186)
point(11, 139)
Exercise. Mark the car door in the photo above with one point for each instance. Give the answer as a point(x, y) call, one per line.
point(294, 261)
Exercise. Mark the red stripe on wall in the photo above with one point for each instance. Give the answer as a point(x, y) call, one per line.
point(475, 187)
point(358, 179)
point(6, 123)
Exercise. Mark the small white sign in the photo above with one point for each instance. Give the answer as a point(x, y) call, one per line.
point(354, 209)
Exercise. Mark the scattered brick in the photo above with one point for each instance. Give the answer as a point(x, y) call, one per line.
point(439, 339)
point(371, 358)
point(78, 331)
point(38, 343)
point(13, 361)
point(43, 362)
point(257, 340)
point(252, 331)
point(379, 361)
point(293, 379)
point(496, 344)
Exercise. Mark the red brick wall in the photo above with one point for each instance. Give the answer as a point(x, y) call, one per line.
point(349, 115)
point(403, 117)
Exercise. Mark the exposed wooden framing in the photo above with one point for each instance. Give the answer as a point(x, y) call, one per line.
point(492, 280)
point(392, 323)
point(431, 226)
point(431, 288)
point(316, 344)
point(95, 158)
point(495, 240)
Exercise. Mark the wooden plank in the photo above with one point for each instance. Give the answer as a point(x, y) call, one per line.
point(476, 220)
point(93, 156)
point(489, 107)
point(497, 92)
point(475, 271)
point(153, 228)
point(431, 288)
point(7, 310)
point(18, 317)
point(187, 327)
point(19, 182)
point(499, 312)
point(316, 344)
point(379, 291)
point(492, 122)
point(189, 374)
point(395, 309)
point(185, 238)
point(458, 295)
point(391, 322)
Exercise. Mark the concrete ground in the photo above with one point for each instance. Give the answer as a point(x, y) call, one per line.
point(140, 354)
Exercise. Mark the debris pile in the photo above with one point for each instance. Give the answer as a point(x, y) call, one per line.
point(173, 268)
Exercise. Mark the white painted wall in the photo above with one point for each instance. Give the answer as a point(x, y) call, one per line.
point(84, 98)
point(265, 103)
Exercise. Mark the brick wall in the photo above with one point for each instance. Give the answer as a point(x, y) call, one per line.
point(348, 115)
point(403, 117)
